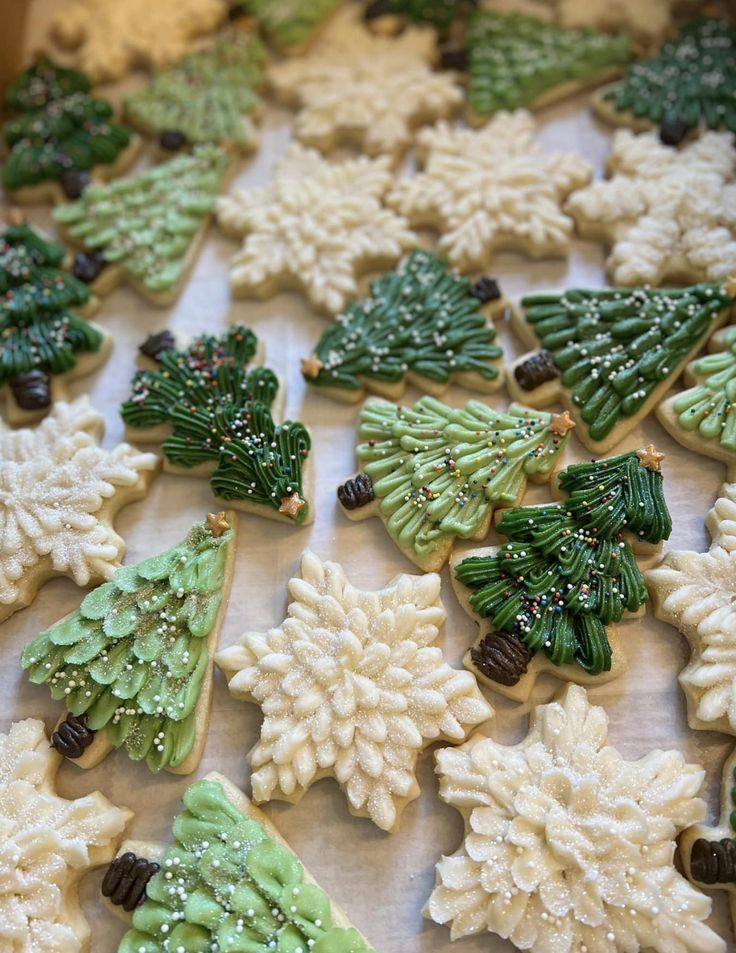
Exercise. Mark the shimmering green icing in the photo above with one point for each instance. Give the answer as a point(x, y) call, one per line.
point(419, 318)
point(60, 126)
point(220, 413)
point(146, 223)
point(289, 24)
point(614, 346)
point(692, 77)
point(37, 327)
point(207, 95)
point(440, 13)
point(439, 472)
point(133, 657)
point(567, 570)
point(514, 58)
point(225, 885)
point(708, 408)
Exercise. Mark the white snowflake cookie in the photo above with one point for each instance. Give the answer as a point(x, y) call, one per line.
point(491, 189)
point(48, 844)
point(568, 847)
point(361, 89)
point(352, 687)
point(696, 592)
point(668, 214)
point(315, 227)
point(59, 493)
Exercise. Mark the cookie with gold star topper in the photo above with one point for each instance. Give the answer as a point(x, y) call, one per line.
point(550, 598)
point(609, 355)
point(133, 665)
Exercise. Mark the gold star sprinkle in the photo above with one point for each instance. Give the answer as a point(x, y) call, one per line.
point(311, 366)
point(729, 286)
point(292, 505)
point(217, 524)
point(650, 458)
point(561, 423)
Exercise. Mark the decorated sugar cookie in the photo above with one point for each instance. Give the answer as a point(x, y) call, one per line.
point(567, 845)
point(44, 341)
point(690, 82)
point(709, 853)
point(110, 38)
point(243, 888)
point(695, 593)
point(59, 494)
point(60, 136)
point(356, 88)
point(422, 324)
point(315, 227)
point(145, 229)
point(701, 417)
point(433, 473)
point(610, 354)
point(209, 96)
point(352, 687)
point(213, 417)
point(663, 211)
point(646, 22)
point(49, 843)
point(516, 60)
point(440, 13)
point(491, 189)
point(133, 665)
point(549, 598)
point(289, 25)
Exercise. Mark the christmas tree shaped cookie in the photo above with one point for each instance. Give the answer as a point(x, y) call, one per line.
point(110, 38)
point(567, 845)
point(213, 417)
point(610, 354)
point(61, 136)
point(59, 493)
point(289, 25)
point(44, 342)
point(702, 418)
point(546, 600)
point(209, 96)
point(709, 853)
point(515, 60)
point(133, 665)
point(353, 687)
point(146, 228)
point(690, 82)
point(666, 213)
point(491, 189)
point(49, 843)
point(315, 227)
point(422, 324)
point(434, 473)
point(356, 88)
point(695, 593)
point(440, 13)
point(243, 887)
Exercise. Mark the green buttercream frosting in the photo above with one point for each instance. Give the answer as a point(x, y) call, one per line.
point(146, 223)
point(708, 408)
point(134, 655)
point(513, 59)
point(288, 24)
point(220, 412)
point(208, 95)
point(440, 13)
point(225, 885)
point(60, 126)
point(567, 570)
point(439, 472)
point(421, 319)
point(692, 78)
point(37, 328)
point(614, 346)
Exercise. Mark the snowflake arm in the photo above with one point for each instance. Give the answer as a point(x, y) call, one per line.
point(352, 686)
point(567, 845)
